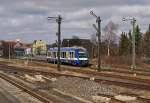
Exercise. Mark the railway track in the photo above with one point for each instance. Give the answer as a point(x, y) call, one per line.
point(138, 97)
point(40, 95)
point(99, 77)
point(26, 89)
point(115, 100)
point(130, 82)
point(127, 68)
point(122, 70)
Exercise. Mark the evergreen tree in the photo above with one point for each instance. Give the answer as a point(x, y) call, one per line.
point(146, 43)
point(138, 38)
point(124, 45)
point(130, 42)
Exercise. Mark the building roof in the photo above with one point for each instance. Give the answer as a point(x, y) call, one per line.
point(73, 42)
point(15, 44)
point(12, 43)
point(22, 45)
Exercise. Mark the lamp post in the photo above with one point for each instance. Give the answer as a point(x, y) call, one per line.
point(58, 20)
point(133, 21)
point(98, 29)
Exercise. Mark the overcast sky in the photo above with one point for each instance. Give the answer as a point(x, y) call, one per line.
point(27, 19)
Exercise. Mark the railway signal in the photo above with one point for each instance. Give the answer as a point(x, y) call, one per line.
point(58, 34)
point(98, 29)
point(133, 21)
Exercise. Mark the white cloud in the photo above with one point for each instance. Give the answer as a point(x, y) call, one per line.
point(140, 10)
point(25, 18)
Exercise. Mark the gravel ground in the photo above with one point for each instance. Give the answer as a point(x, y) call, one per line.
point(81, 87)
point(88, 88)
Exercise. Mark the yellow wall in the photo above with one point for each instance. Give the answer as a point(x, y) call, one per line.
point(39, 45)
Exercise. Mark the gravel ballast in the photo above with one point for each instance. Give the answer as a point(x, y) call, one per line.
point(86, 89)
point(81, 87)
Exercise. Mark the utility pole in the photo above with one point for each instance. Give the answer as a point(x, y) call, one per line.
point(98, 29)
point(133, 21)
point(58, 34)
point(133, 43)
point(99, 42)
point(59, 41)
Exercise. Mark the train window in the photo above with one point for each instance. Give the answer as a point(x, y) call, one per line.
point(71, 54)
point(51, 54)
point(63, 54)
point(54, 54)
point(82, 55)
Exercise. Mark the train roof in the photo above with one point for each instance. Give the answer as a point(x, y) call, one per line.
point(68, 48)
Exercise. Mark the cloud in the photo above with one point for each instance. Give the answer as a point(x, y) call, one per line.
point(27, 19)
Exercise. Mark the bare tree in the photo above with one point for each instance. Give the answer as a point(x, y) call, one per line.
point(94, 39)
point(110, 34)
point(94, 45)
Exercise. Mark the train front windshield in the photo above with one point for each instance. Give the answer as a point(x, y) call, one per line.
point(83, 55)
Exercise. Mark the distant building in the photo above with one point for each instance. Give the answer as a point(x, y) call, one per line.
point(39, 47)
point(14, 48)
point(8, 48)
point(86, 43)
point(22, 49)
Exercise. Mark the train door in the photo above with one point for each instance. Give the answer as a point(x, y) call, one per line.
point(67, 56)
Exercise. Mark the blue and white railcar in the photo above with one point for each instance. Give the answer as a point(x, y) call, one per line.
point(69, 55)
